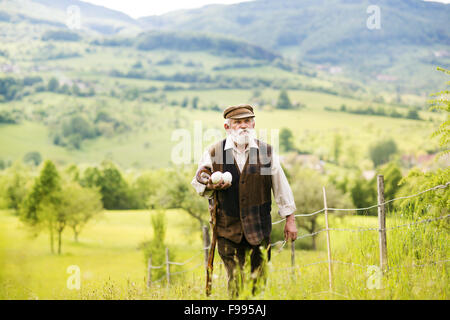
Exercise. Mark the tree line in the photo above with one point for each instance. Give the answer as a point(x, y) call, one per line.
point(13, 88)
point(379, 111)
point(70, 197)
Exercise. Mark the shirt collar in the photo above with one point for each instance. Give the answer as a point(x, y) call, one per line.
point(229, 144)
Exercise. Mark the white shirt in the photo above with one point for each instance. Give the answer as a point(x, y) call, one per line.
point(280, 186)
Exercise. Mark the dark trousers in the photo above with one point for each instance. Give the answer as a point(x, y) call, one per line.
point(234, 257)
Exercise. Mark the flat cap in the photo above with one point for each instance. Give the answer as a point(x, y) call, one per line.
point(238, 112)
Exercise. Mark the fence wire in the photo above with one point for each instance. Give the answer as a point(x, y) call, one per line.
point(283, 242)
point(441, 186)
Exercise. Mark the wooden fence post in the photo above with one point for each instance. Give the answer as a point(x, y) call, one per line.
point(149, 276)
point(382, 223)
point(206, 244)
point(330, 273)
point(167, 266)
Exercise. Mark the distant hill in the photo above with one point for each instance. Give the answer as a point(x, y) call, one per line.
point(89, 11)
point(48, 13)
point(334, 32)
point(317, 27)
point(401, 57)
point(182, 41)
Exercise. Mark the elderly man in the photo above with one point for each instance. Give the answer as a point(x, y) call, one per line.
point(243, 217)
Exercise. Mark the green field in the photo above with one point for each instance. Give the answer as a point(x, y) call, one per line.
point(149, 143)
point(112, 267)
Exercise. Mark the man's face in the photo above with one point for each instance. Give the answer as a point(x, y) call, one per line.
point(241, 130)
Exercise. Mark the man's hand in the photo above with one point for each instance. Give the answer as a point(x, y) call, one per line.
point(203, 174)
point(290, 229)
point(221, 185)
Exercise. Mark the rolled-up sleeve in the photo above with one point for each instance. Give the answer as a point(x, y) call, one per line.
point(200, 188)
point(281, 190)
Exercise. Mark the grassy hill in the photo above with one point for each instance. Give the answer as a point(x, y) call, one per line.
point(331, 35)
point(334, 33)
point(31, 16)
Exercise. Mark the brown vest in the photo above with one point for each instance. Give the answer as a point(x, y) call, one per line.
point(244, 208)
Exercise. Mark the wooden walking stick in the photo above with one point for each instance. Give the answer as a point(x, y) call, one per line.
point(203, 175)
point(212, 249)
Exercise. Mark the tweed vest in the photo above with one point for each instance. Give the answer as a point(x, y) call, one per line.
point(244, 208)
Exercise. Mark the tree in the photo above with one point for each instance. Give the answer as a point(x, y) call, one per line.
point(286, 140)
point(155, 248)
point(16, 185)
point(428, 204)
point(113, 187)
point(392, 177)
point(413, 114)
point(76, 90)
point(91, 177)
point(142, 188)
point(53, 84)
point(307, 187)
point(33, 157)
point(64, 89)
point(73, 173)
point(436, 203)
point(363, 192)
point(40, 209)
point(185, 102)
point(79, 206)
point(78, 125)
point(283, 101)
point(195, 102)
point(60, 35)
point(441, 102)
point(180, 194)
point(337, 147)
point(9, 88)
point(381, 151)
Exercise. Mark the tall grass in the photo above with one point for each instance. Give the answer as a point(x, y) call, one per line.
point(114, 268)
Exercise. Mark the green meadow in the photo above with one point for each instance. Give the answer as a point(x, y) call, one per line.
point(149, 143)
point(112, 267)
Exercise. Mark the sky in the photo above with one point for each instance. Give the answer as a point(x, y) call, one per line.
point(139, 8)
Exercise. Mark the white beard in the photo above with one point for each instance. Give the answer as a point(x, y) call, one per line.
point(242, 136)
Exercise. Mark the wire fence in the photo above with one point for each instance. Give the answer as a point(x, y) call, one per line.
point(381, 229)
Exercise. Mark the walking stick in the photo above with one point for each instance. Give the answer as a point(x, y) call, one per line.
point(212, 249)
point(203, 175)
